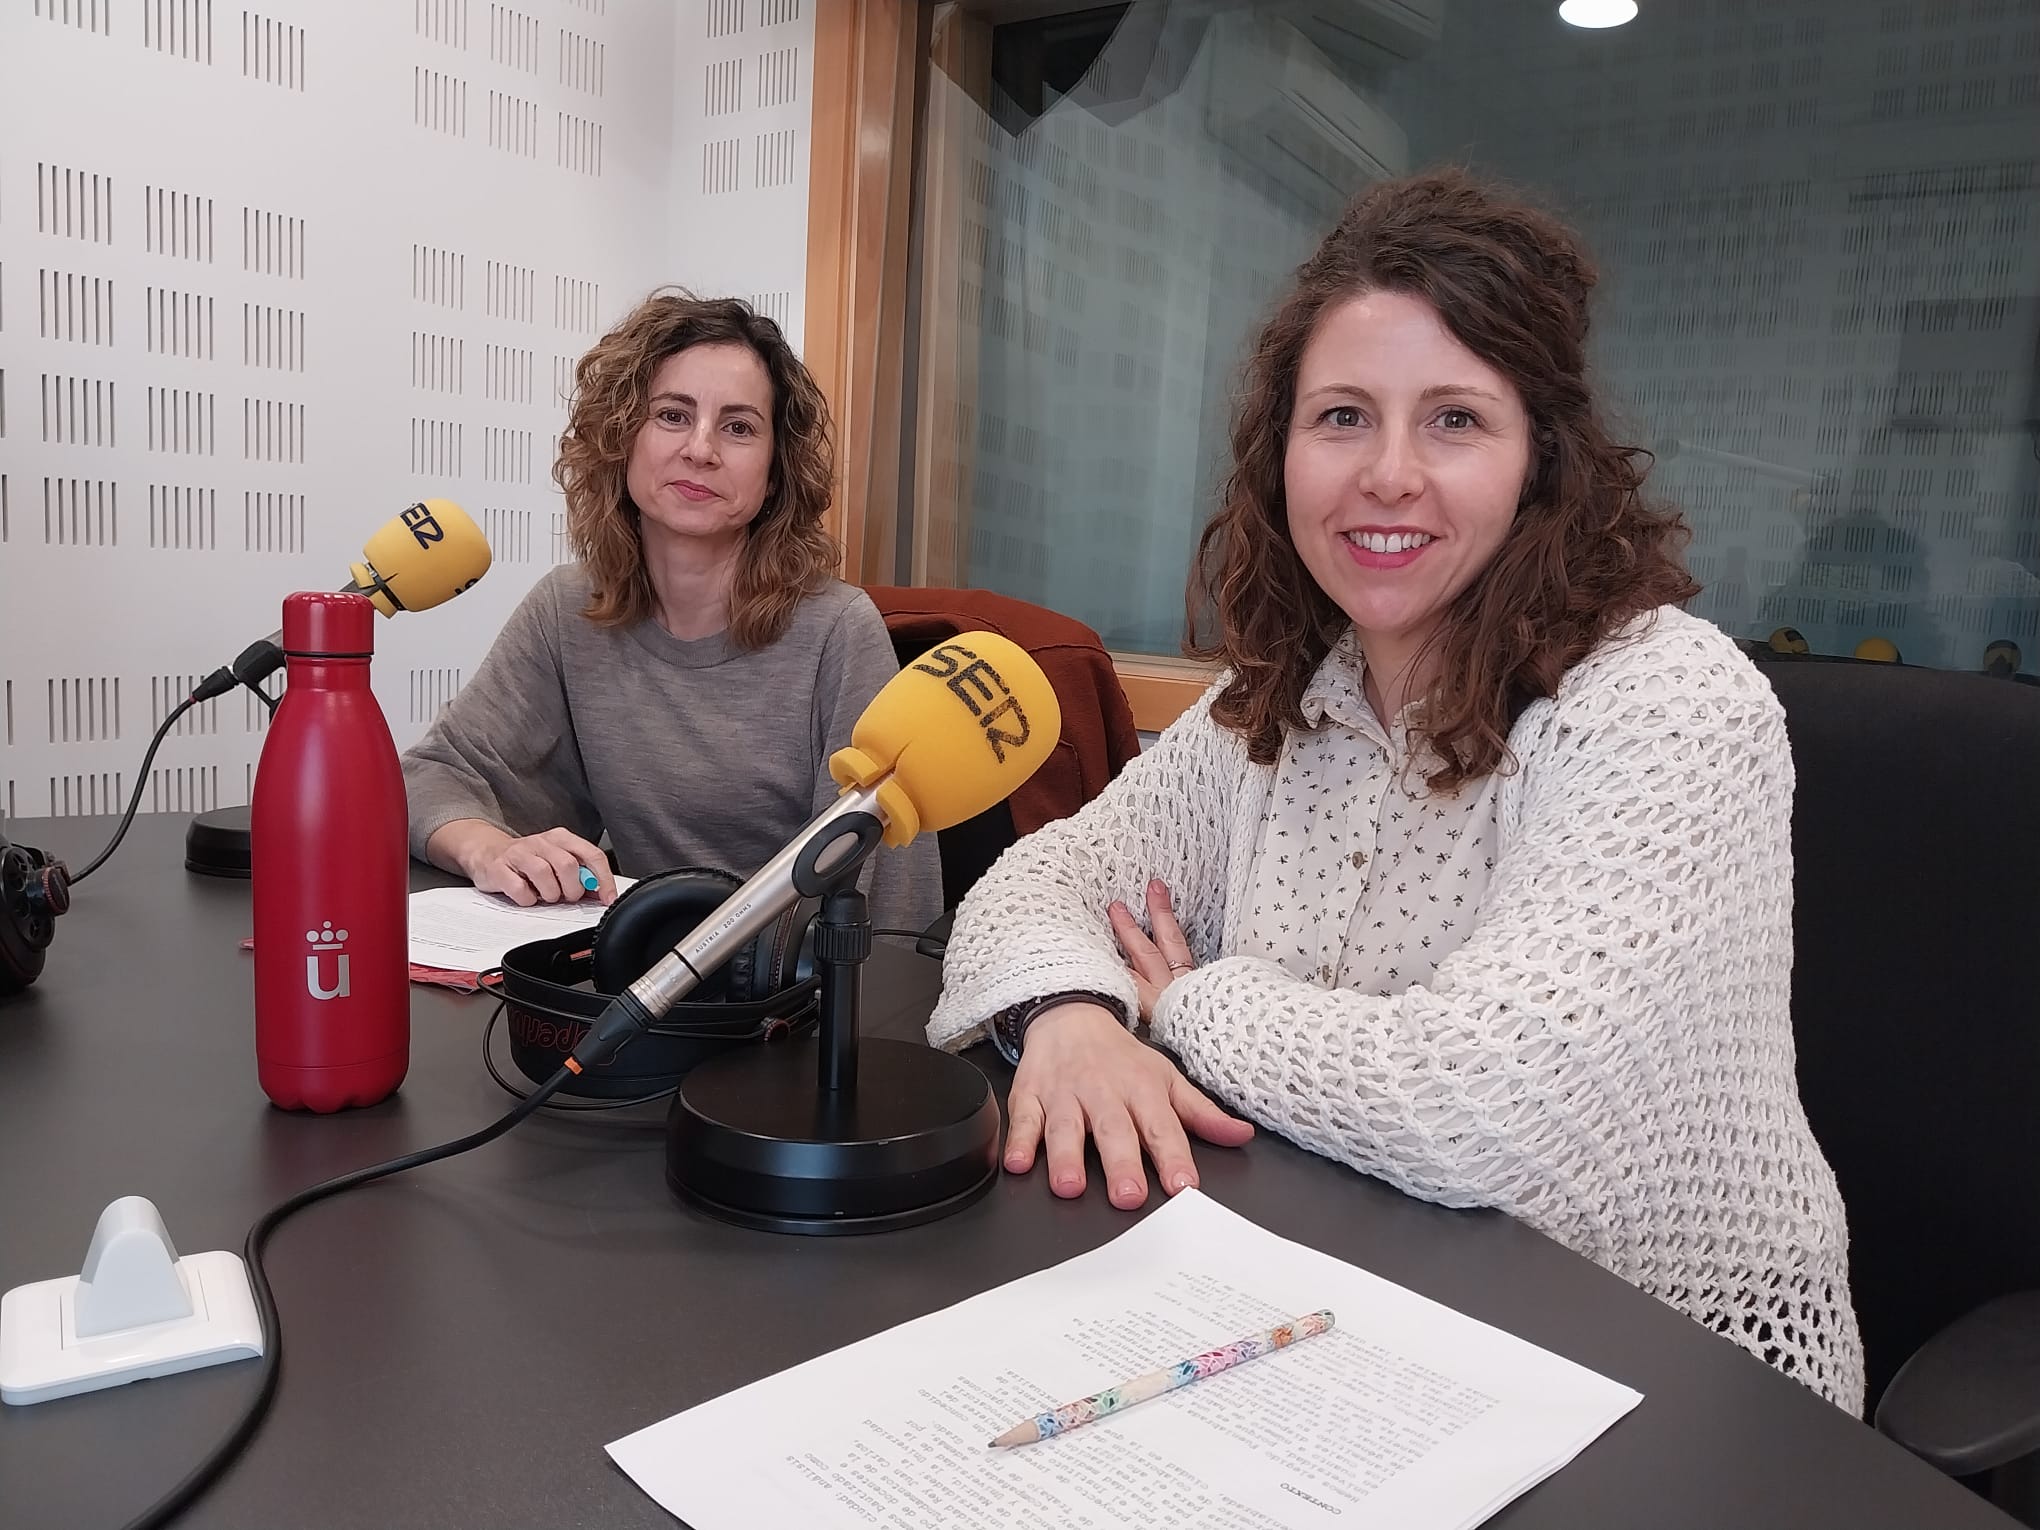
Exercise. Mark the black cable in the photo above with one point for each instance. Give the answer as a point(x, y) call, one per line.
point(215, 684)
point(141, 781)
point(221, 1455)
point(563, 1108)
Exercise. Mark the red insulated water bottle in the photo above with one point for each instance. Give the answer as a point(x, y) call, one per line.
point(330, 873)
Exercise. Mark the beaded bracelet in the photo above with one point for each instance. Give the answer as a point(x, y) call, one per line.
point(1008, 1028)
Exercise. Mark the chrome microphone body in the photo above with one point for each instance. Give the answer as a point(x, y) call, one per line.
point(746, 912)
point(951, 734)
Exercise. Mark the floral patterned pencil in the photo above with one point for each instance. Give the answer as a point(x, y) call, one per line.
point(1115, 1399)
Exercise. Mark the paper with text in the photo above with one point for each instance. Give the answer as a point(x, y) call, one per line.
point(1406, 1413)
point(464, 929)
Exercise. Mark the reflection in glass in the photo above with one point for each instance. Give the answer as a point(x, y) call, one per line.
point(1820, 306)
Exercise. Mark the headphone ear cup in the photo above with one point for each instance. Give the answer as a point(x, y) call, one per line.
point(654, 916)
point(804, 968)
point(788, 954)
point(21, 954)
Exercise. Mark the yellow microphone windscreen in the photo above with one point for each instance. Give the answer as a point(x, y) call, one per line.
point(956, 731)
point(419, 559)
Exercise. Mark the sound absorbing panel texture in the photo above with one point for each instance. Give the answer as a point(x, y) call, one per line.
point(272, 522)
point(513, 39)
point(723, 91)
point(181, 28)
point(74, 307)
point(442, 21)
point(77, 411)
point(85, 793)
point(720, 166)
point(509, 291)
point(506, 455)
point(183, 517)
point(741, 143)
point(74, 204)
point(578, 144)
point(778, 77)
point(507, 374)
point(87, 15)
point(166, 691)
point(582, 62)
point(575, 304)
point(513, 124)
point(80, 512)
point(272, 337)
point(177, 223)
point(179, 323)
point(248, 317)
point(272, 52)
point(183, 789)
point(509, 534)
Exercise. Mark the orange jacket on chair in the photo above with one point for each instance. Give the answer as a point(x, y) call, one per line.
point(1098, 736)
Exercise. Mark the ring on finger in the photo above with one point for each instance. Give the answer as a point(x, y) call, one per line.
point(1180, 966)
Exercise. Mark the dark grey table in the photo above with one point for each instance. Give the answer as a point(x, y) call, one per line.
point(461, 1341)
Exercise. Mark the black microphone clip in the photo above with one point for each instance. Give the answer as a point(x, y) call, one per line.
point(257, 662)
point(254, 664)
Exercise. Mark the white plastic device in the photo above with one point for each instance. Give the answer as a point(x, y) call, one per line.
point(135, 1310)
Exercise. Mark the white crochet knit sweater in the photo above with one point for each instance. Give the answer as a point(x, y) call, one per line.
point(1608, 1058)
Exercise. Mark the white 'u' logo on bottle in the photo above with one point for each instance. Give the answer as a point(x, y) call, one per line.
point(326, 938)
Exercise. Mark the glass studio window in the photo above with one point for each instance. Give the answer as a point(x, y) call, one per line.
point(1819, 226)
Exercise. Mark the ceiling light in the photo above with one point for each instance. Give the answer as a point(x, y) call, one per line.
point(1597, 13)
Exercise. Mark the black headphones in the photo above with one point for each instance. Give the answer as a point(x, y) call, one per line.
point(34, 890)
point(553, 989)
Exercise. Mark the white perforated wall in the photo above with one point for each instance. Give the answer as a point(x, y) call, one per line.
point(743, 93)
point(270, 273)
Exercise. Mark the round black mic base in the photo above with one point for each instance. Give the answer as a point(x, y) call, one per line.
point(217, 843)
point(752, 1139)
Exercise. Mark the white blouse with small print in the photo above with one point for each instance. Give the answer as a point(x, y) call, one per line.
point(1601, 1043)
point(1364, 878)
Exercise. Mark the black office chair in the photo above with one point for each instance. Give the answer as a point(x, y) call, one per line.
point(1916, 1010)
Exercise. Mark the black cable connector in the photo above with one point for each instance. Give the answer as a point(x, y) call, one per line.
point(621, 1022)
point(257, 662)
point(215, 685)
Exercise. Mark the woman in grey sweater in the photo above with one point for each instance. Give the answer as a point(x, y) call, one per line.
point(683, 684)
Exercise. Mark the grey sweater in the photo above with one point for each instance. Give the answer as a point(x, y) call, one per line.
point(688, 753)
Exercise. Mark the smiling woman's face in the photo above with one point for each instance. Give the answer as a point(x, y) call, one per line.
point(702, 462)
point(1407, 458)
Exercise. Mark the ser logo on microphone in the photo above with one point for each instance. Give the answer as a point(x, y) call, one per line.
point(424, 526)
point(975, 683)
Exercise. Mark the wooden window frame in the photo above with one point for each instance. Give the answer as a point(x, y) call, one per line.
point(1161, 690)
point(868, 117)
point(860, 192)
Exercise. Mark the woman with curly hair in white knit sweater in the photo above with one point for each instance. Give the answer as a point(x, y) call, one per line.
point(1472, 869)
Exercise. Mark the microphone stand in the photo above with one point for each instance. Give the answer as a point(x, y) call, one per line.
point(859, 1134)
point(842, 943)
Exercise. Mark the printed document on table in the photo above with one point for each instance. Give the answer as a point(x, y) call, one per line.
point(464, 929)
point(1406, 1413)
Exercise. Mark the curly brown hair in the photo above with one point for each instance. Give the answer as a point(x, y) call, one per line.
point(1585, 553)
point(788, 553)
